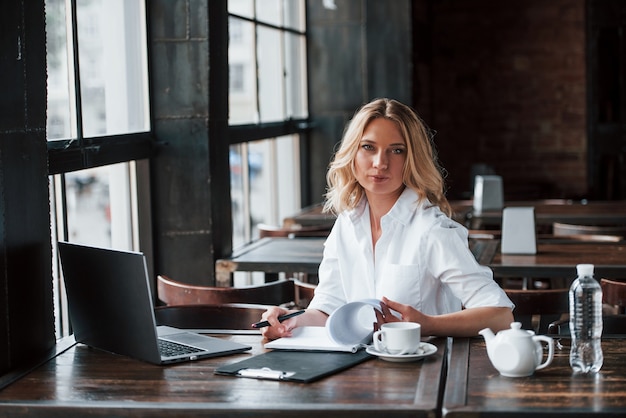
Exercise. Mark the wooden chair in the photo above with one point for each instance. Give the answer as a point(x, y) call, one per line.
point(236, 316)
point(614, 296)
point(288, 293)
point(304, 293)
point(614, 309)
point(612, 233)
point(172, 292)
point(537, 309)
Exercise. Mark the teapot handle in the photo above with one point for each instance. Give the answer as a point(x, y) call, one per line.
point(550, 343)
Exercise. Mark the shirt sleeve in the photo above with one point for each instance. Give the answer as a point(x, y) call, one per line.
point(329, 293)
point(451, 260)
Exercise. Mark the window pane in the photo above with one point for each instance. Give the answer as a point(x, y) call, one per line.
point(238, 193)
point(262, 165)
point(60, 121)
point(268, 11)
point(242, 73)
point(265, 184)
point(100, 210)
point(88, 207)
point(113, 70)
point(243, 8)
point(274, 180)
point(294, 14)
point(295, 76)
point(271, 86)
point(287, 176)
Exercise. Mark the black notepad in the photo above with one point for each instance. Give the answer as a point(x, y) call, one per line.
point(293, 366)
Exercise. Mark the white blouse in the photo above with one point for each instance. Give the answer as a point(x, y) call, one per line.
point(421, 259)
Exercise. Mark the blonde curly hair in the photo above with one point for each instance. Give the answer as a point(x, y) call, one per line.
point(421, 171)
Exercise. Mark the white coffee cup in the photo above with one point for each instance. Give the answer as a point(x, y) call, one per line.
point(398, 338)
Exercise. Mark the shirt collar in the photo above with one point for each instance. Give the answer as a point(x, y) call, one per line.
point(402, 210)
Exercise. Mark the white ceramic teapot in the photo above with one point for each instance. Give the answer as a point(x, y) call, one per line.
point(515, 352)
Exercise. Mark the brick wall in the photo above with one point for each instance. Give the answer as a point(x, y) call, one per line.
point(507, 88)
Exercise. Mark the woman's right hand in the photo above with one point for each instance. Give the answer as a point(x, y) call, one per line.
point(276, 328)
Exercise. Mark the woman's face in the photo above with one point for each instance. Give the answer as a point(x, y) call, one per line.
point(380, 159)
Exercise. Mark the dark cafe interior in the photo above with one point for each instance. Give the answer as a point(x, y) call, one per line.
point(196, 135)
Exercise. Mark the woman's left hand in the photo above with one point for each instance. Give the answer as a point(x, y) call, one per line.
point(407, 313)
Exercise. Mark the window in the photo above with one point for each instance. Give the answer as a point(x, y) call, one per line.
point(98, 123)
point(267, 111)
point(235, 74)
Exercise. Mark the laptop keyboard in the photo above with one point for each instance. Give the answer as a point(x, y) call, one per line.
point(169, 349)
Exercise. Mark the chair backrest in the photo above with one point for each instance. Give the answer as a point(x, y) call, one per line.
point(304, 293)
point(614, 294)
point(614, 324)
point(614, 301)
point(210, 317)
point(172, 292)
point(536, 309)
point(612, 233)
point(614, 310)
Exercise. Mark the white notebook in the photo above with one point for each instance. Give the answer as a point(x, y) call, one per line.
point(349, 328)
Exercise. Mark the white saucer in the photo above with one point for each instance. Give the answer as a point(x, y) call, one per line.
point(427, 350)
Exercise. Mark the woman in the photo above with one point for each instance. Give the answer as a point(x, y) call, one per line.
point(393, 238)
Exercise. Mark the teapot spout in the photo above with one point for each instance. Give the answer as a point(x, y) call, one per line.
point(487, 333)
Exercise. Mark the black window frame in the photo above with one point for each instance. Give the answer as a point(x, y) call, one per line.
point(72, 154)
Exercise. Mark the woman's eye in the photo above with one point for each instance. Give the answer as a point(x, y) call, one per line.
point(398, 151)
point(367, 147)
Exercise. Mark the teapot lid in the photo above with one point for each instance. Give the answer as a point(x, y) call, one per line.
point(516, 331)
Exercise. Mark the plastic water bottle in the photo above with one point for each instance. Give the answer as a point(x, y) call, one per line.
point(585, 310)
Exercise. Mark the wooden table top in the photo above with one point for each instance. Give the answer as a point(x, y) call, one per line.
point(474, 387)
point(87, 382)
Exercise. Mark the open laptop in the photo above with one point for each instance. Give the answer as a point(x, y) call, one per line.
point(111, 309)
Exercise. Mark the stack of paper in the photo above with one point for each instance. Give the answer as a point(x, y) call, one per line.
point(310, 339)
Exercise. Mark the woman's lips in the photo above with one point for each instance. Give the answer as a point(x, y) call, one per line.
point(378, 179)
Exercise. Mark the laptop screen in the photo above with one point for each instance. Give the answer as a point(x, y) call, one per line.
point(110, 304)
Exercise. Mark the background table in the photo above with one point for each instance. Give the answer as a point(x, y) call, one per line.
point(474, 388)
point(273, 255)
point(86, 382)
point(591, 213)
point(555, 259)
point(546, 213)
point(310, 216)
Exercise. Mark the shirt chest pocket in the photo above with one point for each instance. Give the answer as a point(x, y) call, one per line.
point(401, 283)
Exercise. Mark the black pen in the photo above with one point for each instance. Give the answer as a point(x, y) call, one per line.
point(280, 319)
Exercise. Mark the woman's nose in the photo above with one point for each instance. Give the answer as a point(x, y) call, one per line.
point(380, 160)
